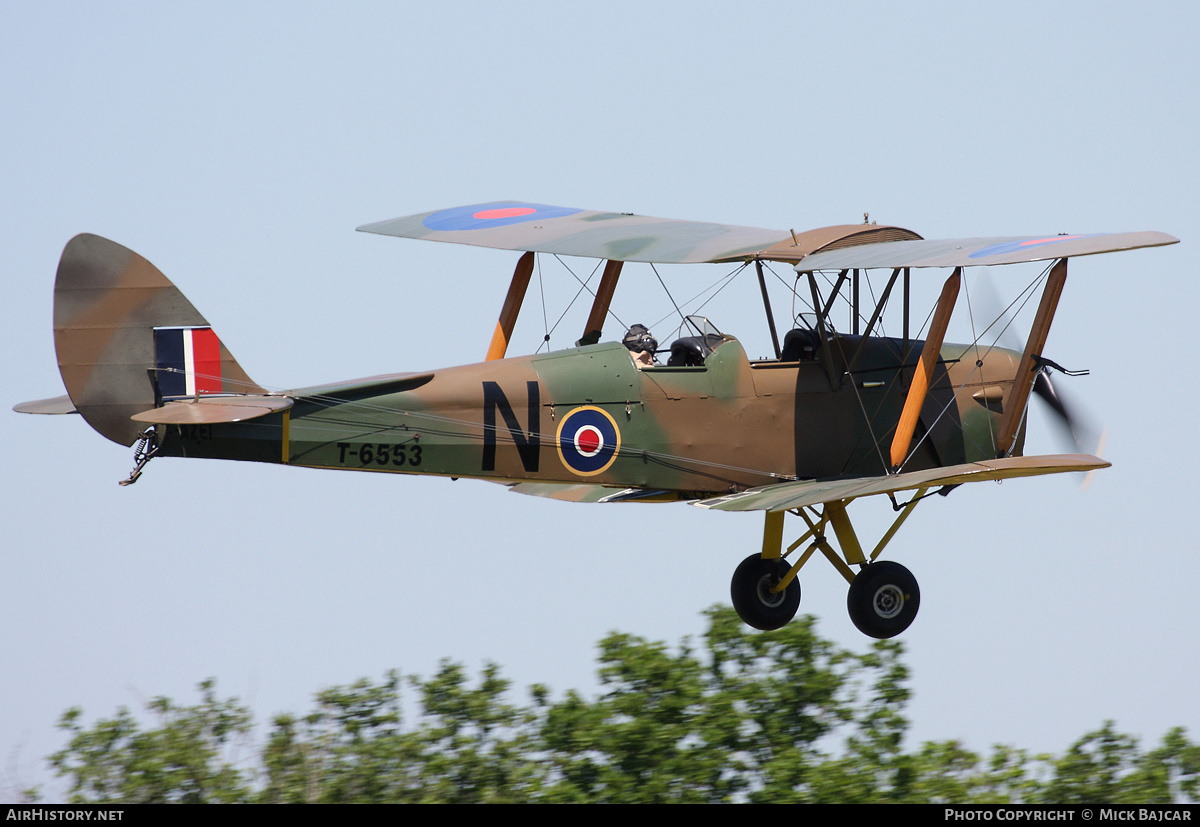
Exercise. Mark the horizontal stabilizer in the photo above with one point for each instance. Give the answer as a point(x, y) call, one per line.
point(210, 410)
point(57, 405)
point(783, 496)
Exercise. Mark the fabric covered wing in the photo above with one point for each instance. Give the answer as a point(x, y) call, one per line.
point(584, 493)
point(812, 492)
point(977, 252)
point(517, 225)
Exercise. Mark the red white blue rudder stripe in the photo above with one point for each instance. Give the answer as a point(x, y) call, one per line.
point(188, 361)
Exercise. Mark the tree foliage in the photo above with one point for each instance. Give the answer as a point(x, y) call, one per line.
point(180, 761)
point(778, 717)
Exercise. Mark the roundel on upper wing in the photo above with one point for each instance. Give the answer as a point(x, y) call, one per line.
point(1005, 247)
point(497, 214)
point(588, 440)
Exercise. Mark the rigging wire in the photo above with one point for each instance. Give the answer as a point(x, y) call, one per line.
point(471, 430)
point(727, 278)
point(1028, 292)
point(978, 358)
point(682, 318)
point(583, 286)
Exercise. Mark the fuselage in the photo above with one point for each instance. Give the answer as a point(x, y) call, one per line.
point(590, 415)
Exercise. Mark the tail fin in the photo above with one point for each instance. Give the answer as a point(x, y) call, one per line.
point(127, 339)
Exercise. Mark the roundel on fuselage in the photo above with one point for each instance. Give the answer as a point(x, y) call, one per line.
point(588, 440)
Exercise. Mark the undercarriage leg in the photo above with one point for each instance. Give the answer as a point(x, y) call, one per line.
point(847, 539)
point(773, 535)
point(764, 589)
point(883, 596)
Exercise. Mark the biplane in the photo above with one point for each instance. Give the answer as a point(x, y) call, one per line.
point(835, 415)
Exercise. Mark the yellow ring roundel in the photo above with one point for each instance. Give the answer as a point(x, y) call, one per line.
point(588, 440)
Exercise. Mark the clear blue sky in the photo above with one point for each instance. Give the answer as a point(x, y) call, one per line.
point(237, 146)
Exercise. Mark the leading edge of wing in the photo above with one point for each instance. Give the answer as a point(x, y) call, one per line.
point(978, 252)
point(803, 493)
point(541, 228)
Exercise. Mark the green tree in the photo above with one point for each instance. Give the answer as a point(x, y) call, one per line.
point(784, 716)
point(184, 760)
point(1106, 767)
point(476, 747)
point(350, 749)
point(470, 746)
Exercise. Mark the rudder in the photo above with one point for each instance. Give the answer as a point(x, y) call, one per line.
point(127, 339)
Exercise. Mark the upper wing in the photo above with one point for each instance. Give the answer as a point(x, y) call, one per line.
point(976, 252)
point(787, 495)
point(516, 225)
point(541, 228)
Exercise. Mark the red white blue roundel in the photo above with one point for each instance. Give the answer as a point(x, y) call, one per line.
point(588, 440)
point(1023, 243)
point(497, 214)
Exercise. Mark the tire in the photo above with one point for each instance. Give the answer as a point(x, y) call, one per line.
point(883, 599)
point(750, 591)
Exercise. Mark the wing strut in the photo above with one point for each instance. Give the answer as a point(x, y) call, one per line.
point(887, 291)
point(512, 306)
point(1014, 406)
point(924, 372)
point(604, 294)
point(816, 301)
point(762, 285)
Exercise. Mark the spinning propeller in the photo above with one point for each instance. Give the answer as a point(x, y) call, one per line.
point(1081, 434)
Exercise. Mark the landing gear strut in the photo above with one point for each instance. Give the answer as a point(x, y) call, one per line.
point(883, 597)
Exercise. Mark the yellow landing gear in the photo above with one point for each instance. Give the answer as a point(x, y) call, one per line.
point(883, 597)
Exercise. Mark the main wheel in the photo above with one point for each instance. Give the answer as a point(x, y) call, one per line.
point(883, 599)
point(753, 599)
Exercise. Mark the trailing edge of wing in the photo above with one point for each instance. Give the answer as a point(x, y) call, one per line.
point(584, 493)
point(517, 225)
point(977, 252)
point(210, 410)
point(813, 492)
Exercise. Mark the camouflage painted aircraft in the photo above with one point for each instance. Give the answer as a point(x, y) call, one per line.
point(835, 416)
